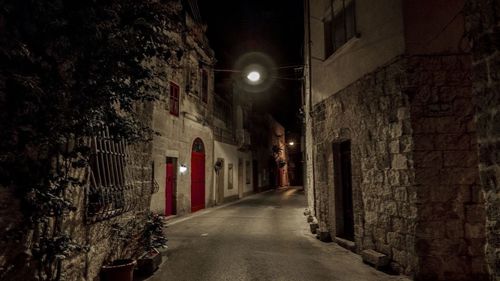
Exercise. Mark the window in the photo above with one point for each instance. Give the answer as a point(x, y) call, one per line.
point(223, 110)
point(230, 176)
point(188, 78)
point(340, 27)
point(174, 99)
point(106, 194)
point(113, 189)
point(204, 85)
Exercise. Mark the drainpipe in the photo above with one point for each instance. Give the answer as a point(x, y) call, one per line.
point(309, 114)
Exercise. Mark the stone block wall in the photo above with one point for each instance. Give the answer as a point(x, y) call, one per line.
point(415, 180)
point(118, 237)
point(483, 20)
point(374, 114)
point(450, 222)
point(102, 239)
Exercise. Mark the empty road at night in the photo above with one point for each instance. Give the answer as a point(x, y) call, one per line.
point(263, 237)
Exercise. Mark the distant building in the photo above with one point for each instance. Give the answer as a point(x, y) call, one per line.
point(391, 142)
point(269, 152)
point(294, 165)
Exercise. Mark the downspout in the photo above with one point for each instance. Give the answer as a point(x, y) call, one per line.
point(309, 73)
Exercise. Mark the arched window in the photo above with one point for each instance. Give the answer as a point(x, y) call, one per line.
point(198, 146)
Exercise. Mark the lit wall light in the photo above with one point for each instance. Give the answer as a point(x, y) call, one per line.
point(183, 169)
point(291, 143)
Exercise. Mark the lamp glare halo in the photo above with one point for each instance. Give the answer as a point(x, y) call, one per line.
point(253, 76)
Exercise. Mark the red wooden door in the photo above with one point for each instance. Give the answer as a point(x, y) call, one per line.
point(197, 181)
point(169, 190)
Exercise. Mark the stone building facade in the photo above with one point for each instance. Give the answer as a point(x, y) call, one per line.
point(482, 27)
point(390, 133)
point(182, 117)
point(190, 115)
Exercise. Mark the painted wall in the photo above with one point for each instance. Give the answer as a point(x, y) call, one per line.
point(380, 25)
point(230, 154)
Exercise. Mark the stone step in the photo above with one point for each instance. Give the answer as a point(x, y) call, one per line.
point(374, 258)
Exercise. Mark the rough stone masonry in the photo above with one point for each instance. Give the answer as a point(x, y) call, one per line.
point(416, 196)
point(483, 19)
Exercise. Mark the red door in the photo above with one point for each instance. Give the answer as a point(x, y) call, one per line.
point(197, 176)
point(169, 190)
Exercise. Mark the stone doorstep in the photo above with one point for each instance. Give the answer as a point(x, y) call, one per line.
point(374, 258)
point(323, 236)
point(171, 217)
point(347, 244)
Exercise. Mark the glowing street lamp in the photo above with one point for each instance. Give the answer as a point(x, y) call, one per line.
point(291, 143)
point(253, 76)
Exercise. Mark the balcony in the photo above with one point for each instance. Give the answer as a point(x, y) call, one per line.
point(243, 139)
point(224, 135)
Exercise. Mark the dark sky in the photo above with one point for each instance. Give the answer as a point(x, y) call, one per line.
point(273, 27)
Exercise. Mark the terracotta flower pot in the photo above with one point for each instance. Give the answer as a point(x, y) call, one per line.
point(119, 270)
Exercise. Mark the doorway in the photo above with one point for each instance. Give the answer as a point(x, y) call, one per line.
point(344, 213)
point(197, 176)
point(171, 186)
point(240, 178)
point(219, 182)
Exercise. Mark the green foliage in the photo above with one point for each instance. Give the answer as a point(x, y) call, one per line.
point(153, 236)
point(67, 69)
point(275, 151)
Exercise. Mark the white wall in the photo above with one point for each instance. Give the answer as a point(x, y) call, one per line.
point(230, 154)
point(380, 24)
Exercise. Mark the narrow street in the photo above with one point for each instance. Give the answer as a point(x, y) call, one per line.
point(263, 237)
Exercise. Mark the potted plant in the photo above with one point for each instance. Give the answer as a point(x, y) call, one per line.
point(153, 239)
point(218, 166)
point(122, 270)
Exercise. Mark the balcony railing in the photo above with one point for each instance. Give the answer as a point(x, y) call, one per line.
point(224, 135)
point(243, 139)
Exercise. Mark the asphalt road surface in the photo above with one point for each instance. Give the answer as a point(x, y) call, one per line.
point(262, 237)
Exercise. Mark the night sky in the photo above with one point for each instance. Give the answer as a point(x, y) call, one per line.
point(271, 27)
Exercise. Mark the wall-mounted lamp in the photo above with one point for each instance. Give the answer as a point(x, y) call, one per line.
point(291, 143)
point(183, 169)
